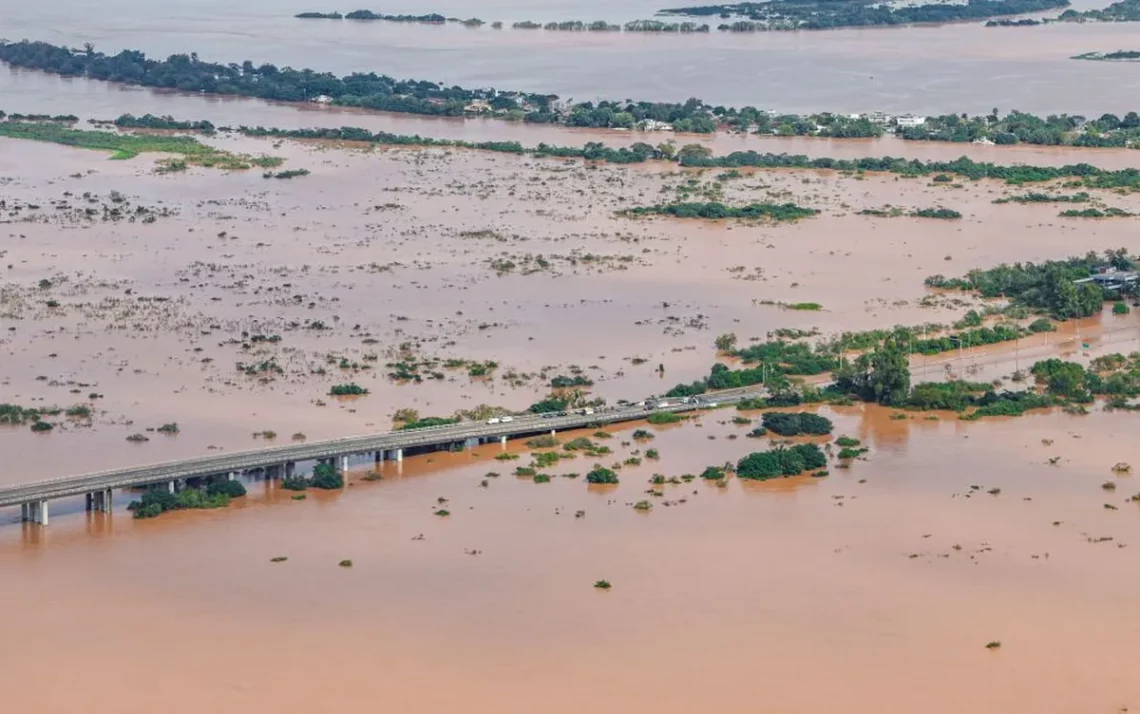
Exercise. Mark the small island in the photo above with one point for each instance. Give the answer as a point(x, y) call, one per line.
point(1117, 56)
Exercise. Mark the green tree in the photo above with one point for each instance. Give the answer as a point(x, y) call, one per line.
point(726, 342)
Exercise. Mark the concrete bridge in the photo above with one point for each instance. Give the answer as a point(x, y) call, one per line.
point(282, 461)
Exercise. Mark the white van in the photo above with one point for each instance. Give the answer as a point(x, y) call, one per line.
point(495, 420)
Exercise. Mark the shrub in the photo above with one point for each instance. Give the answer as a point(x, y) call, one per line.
point(525, 471)
point(757, 433)
point(849, 453)
point(781, 461)
point(663, 418)
point(428, 422)
point(169, 428)
point(712, 473)
point(546, 458)
point(601, 475)
point(546, 441)
point(326, 476)
point(846, 441)
point(347, 390)
point(39, 426)
point(227, 488)
point(643, 506)
point(602, 584)
point(642, 435)
point(1120, 308)
point(652, 454)
point(794, 424)
point(541, 478)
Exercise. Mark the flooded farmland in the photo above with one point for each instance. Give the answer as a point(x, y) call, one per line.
point(956, 565)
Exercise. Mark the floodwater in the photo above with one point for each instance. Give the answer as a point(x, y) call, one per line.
point(875, 588)
point(392, 256)
point(928, 70)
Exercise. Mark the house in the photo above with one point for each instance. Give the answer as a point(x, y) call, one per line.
point(910, 120)
point(477, 106)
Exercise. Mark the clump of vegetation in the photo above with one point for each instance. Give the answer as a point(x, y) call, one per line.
point(781, 462)
point(642, 435)
point(715, 210)
point(158, 500)
point(345, 563)
point(658, 418)
point(169, 428)
point(351, 389)
point(847, 442)
point(442, 512)
point(128, 146)
point(429, 422)
point(546, 441)
point(795, 424)
point(713, 473)
point(993, 645)
point(325, 476)
point(601, 475)
point(643, 506)
point(602, 584)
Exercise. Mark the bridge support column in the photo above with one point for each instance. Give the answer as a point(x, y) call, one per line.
point(99, 501)
point(378, 456)
point(231, 476)
point(290, 467)
point(343, 464)
point(503, 439)
point(35, 512)
point(171, 486)
point(399, 454)
point(471, 442)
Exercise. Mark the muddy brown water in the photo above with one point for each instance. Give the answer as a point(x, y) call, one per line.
point(797, 595)
point(877, 586)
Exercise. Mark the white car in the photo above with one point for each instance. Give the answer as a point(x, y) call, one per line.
point(507, 420)
point(496, 420)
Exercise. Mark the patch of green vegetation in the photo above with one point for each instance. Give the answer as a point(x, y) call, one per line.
point(128, 146)
point(658, 418)
point(351, 389)
point(157, 501)
point(714, 210)
point(427, 422)
point(796, 424)
point(781, 462)
point(601, 475)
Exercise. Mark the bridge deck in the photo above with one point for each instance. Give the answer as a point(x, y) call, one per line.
point(218, 464)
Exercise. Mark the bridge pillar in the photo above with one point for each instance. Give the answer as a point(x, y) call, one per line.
point(343, 464)
point(398, 454)
point(171, 486)
point(503, 439)
point(379, 456)
point(36, 512)
point(231, 476)
point(472, 441)
point(106, 500)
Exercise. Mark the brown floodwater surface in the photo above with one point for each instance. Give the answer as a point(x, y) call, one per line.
point(399, 255)
point(875, 588)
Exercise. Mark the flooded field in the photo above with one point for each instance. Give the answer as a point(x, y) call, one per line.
point(879, 585)
point(230, 304)
point(237, 306)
